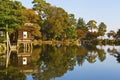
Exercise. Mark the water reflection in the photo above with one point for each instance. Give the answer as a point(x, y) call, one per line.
point(11, 72)
point(15, 65)
point(115, 51)
point(90, 53)
point(54, 62)
point(47, 62)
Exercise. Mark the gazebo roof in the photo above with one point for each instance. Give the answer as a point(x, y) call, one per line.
point(27, 27)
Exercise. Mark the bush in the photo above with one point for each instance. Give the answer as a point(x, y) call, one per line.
point(2, 38)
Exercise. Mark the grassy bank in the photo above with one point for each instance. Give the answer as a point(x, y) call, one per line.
point(56, 42)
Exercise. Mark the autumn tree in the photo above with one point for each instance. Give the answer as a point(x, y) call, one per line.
point(31, 17)
point(34, 29)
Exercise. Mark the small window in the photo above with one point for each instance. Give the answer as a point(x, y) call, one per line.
point(24, 34)
point(24, 61)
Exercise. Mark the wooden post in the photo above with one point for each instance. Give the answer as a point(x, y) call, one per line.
point(8, 49)
point(31, 47)
point(24, 47)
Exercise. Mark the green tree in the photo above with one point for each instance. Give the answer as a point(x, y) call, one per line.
point(92, 25)
point(102, 29)
point(81, 28)
point(56, 23)
point(81, 24)
point(39, 6)
point(55, 20)
point(71, 32)
point(10, 15)
point(72, 20)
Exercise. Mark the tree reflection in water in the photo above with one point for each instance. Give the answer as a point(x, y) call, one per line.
point(55, 62)
point(48, 62)
point(115, 51)
point(12, 74)
point(90, 53)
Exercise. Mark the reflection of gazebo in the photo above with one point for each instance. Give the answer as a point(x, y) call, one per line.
point(24, 58)
point(24, 45)
point(22, 61)
point(25, 62)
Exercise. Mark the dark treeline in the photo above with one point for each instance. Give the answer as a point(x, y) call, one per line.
point(50, 22)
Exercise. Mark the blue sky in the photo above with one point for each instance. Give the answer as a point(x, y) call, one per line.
point(106, 11)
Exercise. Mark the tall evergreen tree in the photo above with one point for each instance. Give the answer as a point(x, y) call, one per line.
point(102, 29)
point(81, 28)
point(81, 24)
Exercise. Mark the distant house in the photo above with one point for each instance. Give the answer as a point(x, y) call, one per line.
point(23, 62)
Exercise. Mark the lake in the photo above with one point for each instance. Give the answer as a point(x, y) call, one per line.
point(58, 62)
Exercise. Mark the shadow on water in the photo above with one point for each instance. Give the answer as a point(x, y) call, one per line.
point(48, 62)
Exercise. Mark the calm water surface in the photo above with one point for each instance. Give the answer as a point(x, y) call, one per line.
point(64, 63)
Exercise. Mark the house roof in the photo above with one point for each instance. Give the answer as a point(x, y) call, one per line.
point(27, 27)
